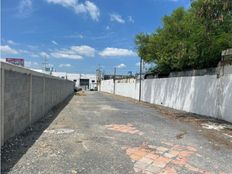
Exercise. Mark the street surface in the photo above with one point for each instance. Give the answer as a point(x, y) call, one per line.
point(105, 134)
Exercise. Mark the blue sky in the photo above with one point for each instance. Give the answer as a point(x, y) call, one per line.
point(79, 35)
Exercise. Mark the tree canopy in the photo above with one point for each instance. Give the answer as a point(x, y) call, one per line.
point(189, 39)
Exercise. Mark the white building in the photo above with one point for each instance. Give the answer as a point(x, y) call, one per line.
point(84, 81)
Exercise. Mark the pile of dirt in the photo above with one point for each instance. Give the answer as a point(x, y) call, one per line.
point(80, 93)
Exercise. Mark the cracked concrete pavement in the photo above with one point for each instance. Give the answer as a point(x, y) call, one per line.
point(102, 133)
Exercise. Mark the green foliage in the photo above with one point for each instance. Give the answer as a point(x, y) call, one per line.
point(189, 39)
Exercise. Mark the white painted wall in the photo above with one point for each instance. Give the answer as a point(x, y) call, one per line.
point(226, 97)
point(107, 86)
point(191, 94)
point(127, 90)
point(204, 95)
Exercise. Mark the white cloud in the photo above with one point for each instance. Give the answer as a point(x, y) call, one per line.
point(87, 7)
point(7, 50)
point(24, 51)
point(122, 65)
point(74, 52)
point(65, 55)
point(44, 54)
point(117, 18)
point(11, 42)
point(81, 36)
point(93, 10)
point(130, 19)
point(54, 42)
point(33, 47)
point(107, 27)
point(31, 64)
point(65, 65)
point(84, 50)
point(34, 55)
point(74, 36)
point(25, 8)
point(112, 52)
point(137, 64)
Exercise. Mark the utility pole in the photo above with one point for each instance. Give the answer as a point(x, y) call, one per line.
point(98, 77)
point(114, 78)
point(140, 79)
point(45, 63)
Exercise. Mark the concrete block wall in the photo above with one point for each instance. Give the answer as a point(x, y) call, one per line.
point(26, 96)
point(107, 86)
point(16, 102)
point(225, 99)
point(197, 94)
point(127, 90)
point(205, 95)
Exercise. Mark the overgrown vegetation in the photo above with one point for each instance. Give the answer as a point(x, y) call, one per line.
point(189, 39)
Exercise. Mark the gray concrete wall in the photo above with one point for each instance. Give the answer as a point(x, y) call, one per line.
point(26, 96)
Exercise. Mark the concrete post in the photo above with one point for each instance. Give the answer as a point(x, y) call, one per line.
point(140, 79)
point(219, 95)
point(52, 92)
point(30, 100)
point(114, 79)
point(2, 87)
point(44, 96)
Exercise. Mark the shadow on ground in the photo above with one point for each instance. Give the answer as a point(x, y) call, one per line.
point(17, 146)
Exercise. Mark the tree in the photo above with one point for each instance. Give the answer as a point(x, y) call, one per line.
point(189, 39)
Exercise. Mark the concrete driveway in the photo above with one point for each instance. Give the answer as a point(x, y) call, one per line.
point(103, 134)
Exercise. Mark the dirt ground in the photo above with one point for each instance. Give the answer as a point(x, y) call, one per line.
point(98, 133)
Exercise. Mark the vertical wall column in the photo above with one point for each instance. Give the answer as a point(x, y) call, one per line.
point(2, 87)
point(44, 103)
point(220, 89)
point(30, 99)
